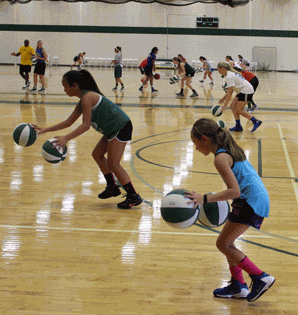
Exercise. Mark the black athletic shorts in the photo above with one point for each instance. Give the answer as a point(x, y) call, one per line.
point(244, 97)
point(76, 58)
point(254, 82)
point(40, 68)
point(243, 213)
point(142, 70)
point(117, 72)
point(148, 71)
point(26, 69)
point(124, 135)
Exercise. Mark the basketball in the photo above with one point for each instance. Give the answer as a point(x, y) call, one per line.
point(214, 214)
point(24, 135)
point(222, 124)
point(176, 211)
point(33, 59)
point(156, 76)
point(216, 110)
point(51, 154)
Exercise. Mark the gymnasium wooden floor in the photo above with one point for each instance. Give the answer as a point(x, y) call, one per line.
point(64, 251)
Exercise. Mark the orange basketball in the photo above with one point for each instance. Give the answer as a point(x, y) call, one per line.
point(157, 76)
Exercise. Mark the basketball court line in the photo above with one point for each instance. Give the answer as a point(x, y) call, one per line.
point(201, 172)
point(137, 105)
point(294, 183)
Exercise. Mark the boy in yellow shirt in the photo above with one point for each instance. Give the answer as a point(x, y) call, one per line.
point(26, 52)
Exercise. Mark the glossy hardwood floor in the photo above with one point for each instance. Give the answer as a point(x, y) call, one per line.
point(64, 251)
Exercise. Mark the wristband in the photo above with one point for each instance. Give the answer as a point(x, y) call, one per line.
point(205, 199)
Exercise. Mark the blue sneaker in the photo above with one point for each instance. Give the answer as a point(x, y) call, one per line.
point(235, 290)
point(256, 125)
point(260, 284)
point(236, 129)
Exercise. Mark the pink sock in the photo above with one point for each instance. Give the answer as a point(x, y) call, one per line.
point(236, 273)
point(249, 267)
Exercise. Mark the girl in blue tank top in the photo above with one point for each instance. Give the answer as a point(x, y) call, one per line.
point(106, 118)
point(250, 206)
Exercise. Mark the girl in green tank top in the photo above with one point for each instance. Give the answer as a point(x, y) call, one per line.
point(186, 73)
point(107, 118)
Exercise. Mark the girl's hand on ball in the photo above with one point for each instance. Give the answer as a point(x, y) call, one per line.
point(39, 129)
point(60, 142)
point(225, 107)
point(195, 197)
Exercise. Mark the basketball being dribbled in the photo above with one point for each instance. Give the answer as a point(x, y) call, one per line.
point(214, 214)
point(52, 154)
point(216, 110)
point(176, 210)
point(156, 76)
point(24, 135)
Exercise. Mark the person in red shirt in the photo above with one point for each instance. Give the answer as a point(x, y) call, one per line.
point(142, 70)
point(254, 81)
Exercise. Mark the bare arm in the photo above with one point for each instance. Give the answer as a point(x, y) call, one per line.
point(64, 124)
point(223, 163)
point(227, 97)
point(14, 54)
point(182, 68)
point(86, 103)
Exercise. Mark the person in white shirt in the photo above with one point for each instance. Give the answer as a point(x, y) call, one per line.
point(244, 90)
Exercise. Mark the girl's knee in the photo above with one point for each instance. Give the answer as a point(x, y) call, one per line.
point(222, 244)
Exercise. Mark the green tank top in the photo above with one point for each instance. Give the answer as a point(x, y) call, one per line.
point(107, 118)
point(189, 69)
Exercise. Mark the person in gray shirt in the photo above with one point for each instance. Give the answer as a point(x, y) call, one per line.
point(118, 68)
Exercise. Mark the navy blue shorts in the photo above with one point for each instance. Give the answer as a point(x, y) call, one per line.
point(243, 213)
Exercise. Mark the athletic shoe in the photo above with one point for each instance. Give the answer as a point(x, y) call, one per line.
point(33, 90)
point(235, 290)
point(212, 83)
point(42, 90)
point(130, 201)
point(154, 91)
point(194, 94)
point(114, 88)
point(79, 68)
point(122, 88)
point(26, 86)
point(180, 94)
point(236, 129)
point(256, 125)
point(110, 191)
point(202, 81)
point(260, 284)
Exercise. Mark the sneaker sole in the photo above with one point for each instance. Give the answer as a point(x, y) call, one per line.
point(262, 292)
point(133, 205)
point(231, 297)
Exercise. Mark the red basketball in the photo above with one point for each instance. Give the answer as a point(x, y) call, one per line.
point(157, 76)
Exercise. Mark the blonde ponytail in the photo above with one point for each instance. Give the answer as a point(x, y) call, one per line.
point(227, 66)
point(219, 136)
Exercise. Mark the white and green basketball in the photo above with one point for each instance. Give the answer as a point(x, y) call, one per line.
point(221, 124)
point(24, 135)
point(176, 210)
point(216, 110)
point(214, 214)
point(51, 154)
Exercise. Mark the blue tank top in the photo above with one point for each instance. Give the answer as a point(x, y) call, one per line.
point(40, 54)
point(251, 186)
point(150, 58)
